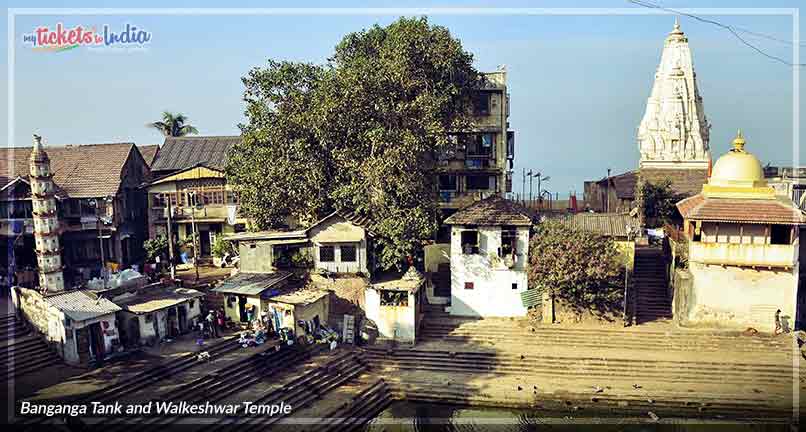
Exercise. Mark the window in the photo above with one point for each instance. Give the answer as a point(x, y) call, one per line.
point(327, 254)
point(470, 242)
point(509, 241)
point(149, 318)
point(447, 182)
point(468, 285)
point(478, 182)
point(212, 197)
point(348, 253)
point(394, 298)
point(481, 103)
point(158, 200)
point(779, 235)
point(515, 286)
point(232, 197)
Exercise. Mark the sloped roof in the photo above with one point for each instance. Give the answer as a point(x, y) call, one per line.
point(493, 210)
point(606, 224)
point(684, 181)
point(82, 305)
point(624, 184)
point(149, 152)
point(178, 153)
point(252, 284)
point(79, 171)
point(762, 211)
point(154, 300)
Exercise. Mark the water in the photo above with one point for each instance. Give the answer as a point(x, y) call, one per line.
point(416, 417)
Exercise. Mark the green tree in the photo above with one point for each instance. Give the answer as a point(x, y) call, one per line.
point(658, 202)
point(156, 247)
point(582, 268)
point(173, 125)
point(363, 133)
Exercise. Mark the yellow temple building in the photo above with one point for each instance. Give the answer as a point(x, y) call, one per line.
point(743, 249)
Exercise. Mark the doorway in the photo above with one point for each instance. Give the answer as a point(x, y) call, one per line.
point(134, 332)
point(242, 308)
point(183, 318)
point(205, 245)
point(96, 341)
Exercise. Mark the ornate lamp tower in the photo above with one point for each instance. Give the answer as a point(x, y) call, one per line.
point(46, 222)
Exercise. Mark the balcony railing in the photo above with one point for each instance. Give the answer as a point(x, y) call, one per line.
point(206, 212)
point(765, 255)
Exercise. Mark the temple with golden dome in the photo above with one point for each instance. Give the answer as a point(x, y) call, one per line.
point(743, 248)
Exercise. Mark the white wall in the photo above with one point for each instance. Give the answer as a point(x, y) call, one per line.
point(492, 294)
point(741, 297)
point(393, 322)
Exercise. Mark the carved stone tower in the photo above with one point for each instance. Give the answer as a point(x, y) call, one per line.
point(46, 222)
point(674, 131)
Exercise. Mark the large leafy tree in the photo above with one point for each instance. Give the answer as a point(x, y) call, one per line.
point(583, 268)
point(362, 133)
point(658, 202)
point(173, 125)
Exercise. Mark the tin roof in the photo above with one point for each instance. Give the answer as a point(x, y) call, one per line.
point(606, 224)
point(154, 300)
point(300, 297)
point(252, 284)
point(81, 305)
point(178, 153)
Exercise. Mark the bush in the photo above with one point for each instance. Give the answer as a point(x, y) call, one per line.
point(584, 269)
point(221, 247)
point(301, 258)
point(156, 247)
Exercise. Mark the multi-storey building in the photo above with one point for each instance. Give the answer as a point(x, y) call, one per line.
point(190, 186)
point(482, 165)
point(98, 199)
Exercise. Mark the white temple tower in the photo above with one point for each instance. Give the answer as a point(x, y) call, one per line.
point(674, 131)
point(46, 222)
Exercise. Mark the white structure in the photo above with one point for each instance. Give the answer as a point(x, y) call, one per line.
point(393, 304)
point(744, 249)
point(46, 222)
point(155, 313)
point(489, 255)
point(78, 324)
point(339, 244)
point(674, 131)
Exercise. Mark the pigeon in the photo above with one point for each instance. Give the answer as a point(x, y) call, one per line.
point(520, 388)
point(636, 386)
point(597, 389)
point(653, 416)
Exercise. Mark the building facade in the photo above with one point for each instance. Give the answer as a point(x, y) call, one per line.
point(674, 133)
point(483, 164)
point(744, 248)
point(489, 256)
point(189, 182)
point(98, 204)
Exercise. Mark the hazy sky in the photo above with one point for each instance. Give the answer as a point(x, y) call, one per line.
point(579, 84)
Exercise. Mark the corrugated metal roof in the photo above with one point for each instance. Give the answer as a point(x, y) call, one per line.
point(179, 153)
point(157, 299)
point(606, 224)
point(82, 305)
point(252, 284)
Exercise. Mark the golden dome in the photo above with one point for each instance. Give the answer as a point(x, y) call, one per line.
point(737, 168)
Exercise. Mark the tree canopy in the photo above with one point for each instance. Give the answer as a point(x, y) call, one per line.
point(362, 133)
point(658, 202)
point(583, 268)
point(173, 125)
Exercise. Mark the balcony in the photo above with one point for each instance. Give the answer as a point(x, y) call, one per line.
point(748, 255)
point(208, 212)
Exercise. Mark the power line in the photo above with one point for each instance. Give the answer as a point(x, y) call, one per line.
point(733, 30)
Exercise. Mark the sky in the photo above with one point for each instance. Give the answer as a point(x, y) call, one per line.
point(578, 83)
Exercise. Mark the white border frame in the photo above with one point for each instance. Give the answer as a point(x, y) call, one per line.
point(492, 11)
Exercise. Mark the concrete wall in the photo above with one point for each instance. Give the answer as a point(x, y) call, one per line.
point(492, 293)
point(737, 297)
point(392, 322)
point(305, 312)
point(54, 326)
point(256, 256)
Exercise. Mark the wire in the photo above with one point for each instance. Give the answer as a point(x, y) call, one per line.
point(733, 30)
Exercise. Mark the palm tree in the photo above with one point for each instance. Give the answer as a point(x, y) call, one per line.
point(173, 125)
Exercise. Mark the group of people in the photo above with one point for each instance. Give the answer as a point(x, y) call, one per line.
point(212, 325)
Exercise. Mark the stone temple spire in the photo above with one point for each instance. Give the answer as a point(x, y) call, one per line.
point(46, 222)
point(674, 131)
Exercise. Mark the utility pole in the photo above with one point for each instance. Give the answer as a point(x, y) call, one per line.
point(531, 176)
point(607, 192)
point(539, 197)
point(523, 187)
point(193, 229)
point(171, 240)
point(101, 242)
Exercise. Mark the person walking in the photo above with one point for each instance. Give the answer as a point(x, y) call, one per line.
point(211, 321)
point(778, 328)
point(220, 318)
